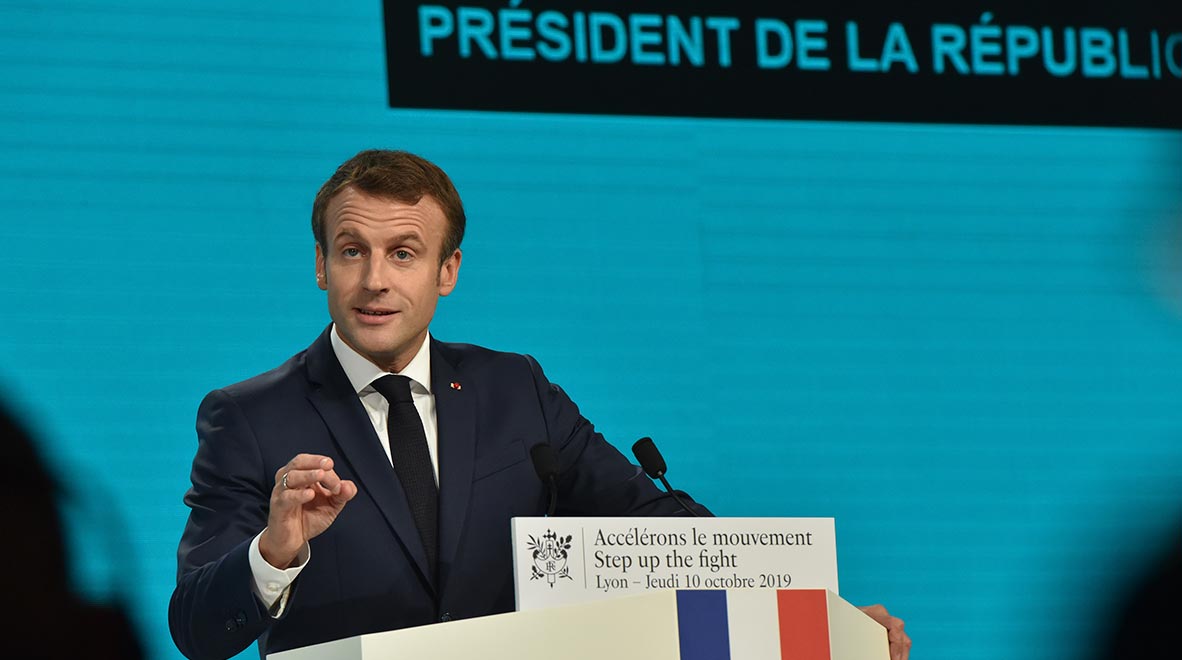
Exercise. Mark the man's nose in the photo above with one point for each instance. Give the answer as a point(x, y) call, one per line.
point(376, 274)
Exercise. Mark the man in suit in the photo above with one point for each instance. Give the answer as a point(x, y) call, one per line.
point(379, 466)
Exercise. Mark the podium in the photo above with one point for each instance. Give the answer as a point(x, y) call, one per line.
point(739, 624)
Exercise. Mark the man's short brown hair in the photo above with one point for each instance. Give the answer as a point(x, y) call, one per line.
point(396, 175)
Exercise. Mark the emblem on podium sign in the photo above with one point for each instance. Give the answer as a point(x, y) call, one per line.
point(550, 554)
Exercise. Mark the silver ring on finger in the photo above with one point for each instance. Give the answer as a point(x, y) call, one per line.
point(284, 480)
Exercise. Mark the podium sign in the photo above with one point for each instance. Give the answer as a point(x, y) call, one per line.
point(562, 561)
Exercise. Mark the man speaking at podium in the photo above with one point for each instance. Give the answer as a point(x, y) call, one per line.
point(367, 483)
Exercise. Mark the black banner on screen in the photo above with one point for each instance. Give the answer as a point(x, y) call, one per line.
point(1074, 63)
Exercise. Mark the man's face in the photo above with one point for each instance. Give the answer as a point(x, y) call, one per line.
point(380, 266)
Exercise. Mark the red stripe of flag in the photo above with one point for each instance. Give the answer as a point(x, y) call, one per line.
point(804, 624)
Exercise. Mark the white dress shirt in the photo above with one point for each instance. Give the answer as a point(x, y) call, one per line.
point(271, 584)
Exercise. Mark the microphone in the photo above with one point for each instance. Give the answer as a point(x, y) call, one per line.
point(654, 466)
point(546, 465)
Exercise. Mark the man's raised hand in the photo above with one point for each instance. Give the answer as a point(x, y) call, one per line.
point(306, 499)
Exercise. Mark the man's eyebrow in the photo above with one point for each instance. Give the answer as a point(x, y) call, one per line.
point(408, 237)
point(405, 236)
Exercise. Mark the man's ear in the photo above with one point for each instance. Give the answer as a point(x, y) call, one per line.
point(321, 269)
point(449, 273)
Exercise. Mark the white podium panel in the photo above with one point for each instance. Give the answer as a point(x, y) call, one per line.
point(751, 624)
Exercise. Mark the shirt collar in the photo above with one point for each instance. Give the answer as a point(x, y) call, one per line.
point(362, 372)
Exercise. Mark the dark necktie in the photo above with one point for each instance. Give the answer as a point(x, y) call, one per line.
point(412, 460)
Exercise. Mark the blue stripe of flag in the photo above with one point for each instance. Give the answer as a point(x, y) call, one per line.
point(702, 625)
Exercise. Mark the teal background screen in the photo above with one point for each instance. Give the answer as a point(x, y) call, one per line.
point(964, 343)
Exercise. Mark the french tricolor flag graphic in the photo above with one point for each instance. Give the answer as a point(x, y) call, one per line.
point(753, 625)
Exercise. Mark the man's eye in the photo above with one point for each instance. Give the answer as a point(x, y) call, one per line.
point(351, 252)
point(401, 255)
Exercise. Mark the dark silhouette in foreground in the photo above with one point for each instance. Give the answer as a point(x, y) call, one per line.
point(47, 619)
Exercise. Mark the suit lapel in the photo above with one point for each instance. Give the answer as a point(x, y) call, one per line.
point(334, 398)
point(455, 410)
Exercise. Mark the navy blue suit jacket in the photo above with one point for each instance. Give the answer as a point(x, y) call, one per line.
point(368, 571)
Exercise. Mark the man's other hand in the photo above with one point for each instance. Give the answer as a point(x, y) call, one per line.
point(900, 642)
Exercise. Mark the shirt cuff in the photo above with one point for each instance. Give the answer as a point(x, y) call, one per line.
point(272, 585)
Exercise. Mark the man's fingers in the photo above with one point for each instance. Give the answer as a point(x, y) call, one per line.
point(331, 481)
point(326, 482)
point(298, 479)
point(307, 469)
point(293, 496)
point(305, 462)
point(344, 491)
point(301, 496)
point(347, 490)
point(902, 649)
point(876, 612)
point(899, 641)
point(304, 485)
